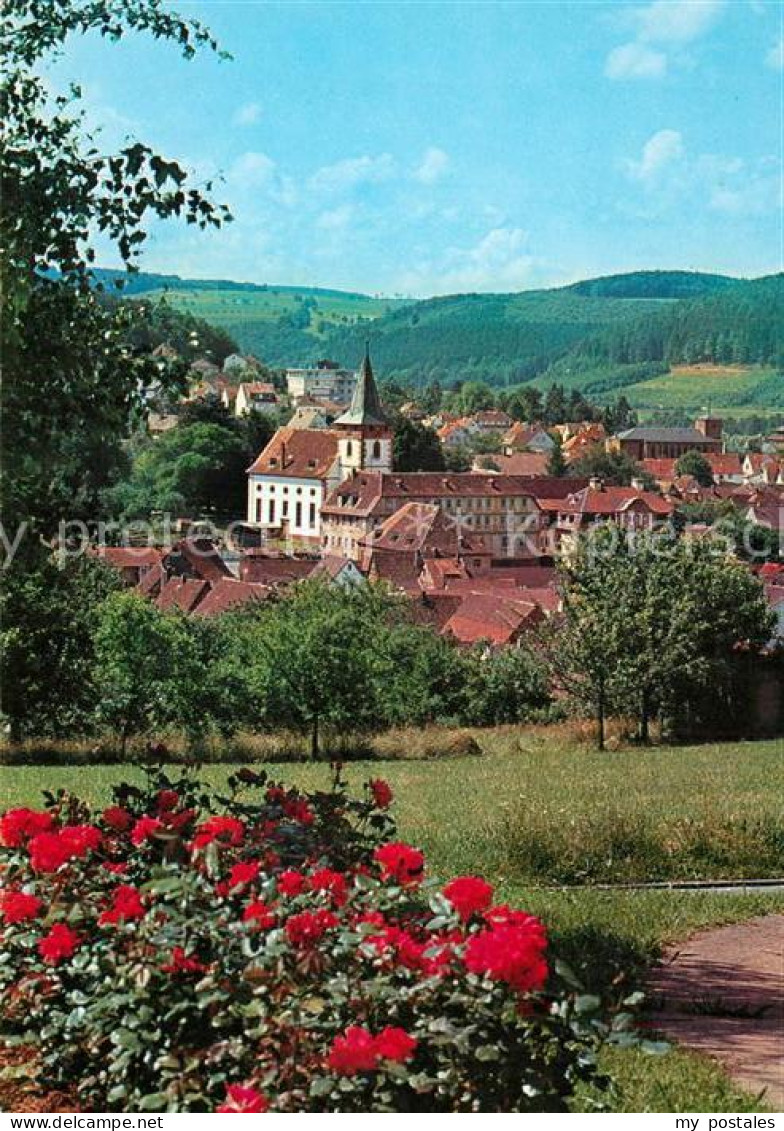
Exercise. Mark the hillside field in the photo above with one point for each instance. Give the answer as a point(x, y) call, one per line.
point(696, 387)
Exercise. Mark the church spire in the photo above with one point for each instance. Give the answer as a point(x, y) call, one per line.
point(365, 407)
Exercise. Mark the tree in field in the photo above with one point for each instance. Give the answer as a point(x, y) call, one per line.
point(695, 464)
point(147, 670)
point(651, 623)
point(47, 619)
point(317, 661)
point(505, 685)
point(423, 676)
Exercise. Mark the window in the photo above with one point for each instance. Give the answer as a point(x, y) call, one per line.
point(349, 449)
point(312, 515)
point(258, 510)
point(271, 512)
point(298, 514)
point(376, 449)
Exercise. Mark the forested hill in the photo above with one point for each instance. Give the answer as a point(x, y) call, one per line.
point(644, 320)
point(654, 284)
point(742, 324)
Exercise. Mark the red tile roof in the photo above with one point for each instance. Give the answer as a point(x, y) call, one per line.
point(608, 501)
point(228, 593)
point(527, 464)
point(490, 617)
point(128, 557)
point(302, 453)
point(363, 491)
point(273, 569)
point(183, 593)
point(423, 528)
point(661, 469)
point(197, 556)
point(724, 463)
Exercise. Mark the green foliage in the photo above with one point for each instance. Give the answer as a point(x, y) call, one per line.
point(46, 645)
point(416, 447)
point(71, 382)
point(508, 685)
point(652, 628)
point(695, 464)
point(616, 468)
point(146, 667)
point(193, 469)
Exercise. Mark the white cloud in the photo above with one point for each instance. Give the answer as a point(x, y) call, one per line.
point(335, 219)
point(498, 261)
point(635, 61)
point(247, 115)
point(255, 172)
point(661, 27)
point(659, 154)
point(432, 167)
point(353, 171)
point(775, 57)
point(671, 177)
point(676, 21)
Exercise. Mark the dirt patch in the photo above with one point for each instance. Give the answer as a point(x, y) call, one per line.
point(20, 1093)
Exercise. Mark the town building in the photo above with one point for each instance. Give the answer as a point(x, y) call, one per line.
point(252, 396)
point(324, 381)
point(633, 509)
point(669, 443)
point(290, 480)
point(503, 509)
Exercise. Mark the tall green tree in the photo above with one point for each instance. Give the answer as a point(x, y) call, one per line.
point(695, 464)
point(71, 383)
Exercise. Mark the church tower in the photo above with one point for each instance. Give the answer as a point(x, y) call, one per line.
point(365, 442)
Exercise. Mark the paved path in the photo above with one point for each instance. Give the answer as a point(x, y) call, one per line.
point(722, 993)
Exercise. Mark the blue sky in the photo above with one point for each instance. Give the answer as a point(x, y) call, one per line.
point(424, 148)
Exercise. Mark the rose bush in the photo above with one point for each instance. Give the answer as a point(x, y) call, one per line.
point(274, 950)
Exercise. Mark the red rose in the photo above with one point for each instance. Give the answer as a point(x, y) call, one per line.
point(305, 929)
point(48, 852)
point(144, 828)
point(81, 839)
point(395, 1044)
point(61, 942)
point(332, 882)
point(469, 895)
point(18, 906)
point(259, 913)
point(290, 882)
point(400, 863)
point(354, 1052)
point(242, 874)
point(297, 809)
point(182, 964)
point(243, 1100)
point(116, 868)
point(18, 825)
point(167, 800)
point(126, 905)
point(117, 818)
point(510, 950)
point(382, 793)
point(224, 830)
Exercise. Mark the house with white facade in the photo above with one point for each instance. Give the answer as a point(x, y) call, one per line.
point(291, 478)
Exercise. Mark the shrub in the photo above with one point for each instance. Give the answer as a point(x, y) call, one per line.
point(271, 949)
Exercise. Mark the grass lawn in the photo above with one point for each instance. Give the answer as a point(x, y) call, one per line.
point(710, 810)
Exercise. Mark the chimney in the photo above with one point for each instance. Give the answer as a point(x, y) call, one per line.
point(638, 484)
point(283, 454)
point(596, 483)
point(710, 426)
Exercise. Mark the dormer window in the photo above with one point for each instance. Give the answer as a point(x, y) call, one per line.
point(273, 461)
